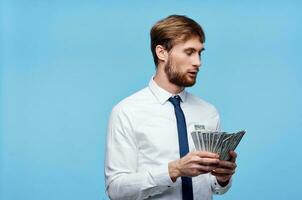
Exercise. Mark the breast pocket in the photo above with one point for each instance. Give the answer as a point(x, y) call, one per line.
point(192, 126)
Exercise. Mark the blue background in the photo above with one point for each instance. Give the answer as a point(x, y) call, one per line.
point(65, 64)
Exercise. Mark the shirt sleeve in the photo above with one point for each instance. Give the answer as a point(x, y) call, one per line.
point(123, 180)
point(218, 189)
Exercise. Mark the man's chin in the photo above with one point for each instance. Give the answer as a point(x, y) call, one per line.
point(184, 81)
point(187, 83)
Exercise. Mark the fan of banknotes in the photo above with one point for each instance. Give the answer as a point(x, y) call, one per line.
point(217, 142)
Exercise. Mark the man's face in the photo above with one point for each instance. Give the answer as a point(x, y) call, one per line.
point(183, 62)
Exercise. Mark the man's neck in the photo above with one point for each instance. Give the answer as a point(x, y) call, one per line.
point(162, 81)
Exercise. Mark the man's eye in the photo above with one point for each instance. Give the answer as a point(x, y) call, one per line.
point(189, 53)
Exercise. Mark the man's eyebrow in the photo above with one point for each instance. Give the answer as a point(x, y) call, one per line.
point(193, 49)
point(190, 49)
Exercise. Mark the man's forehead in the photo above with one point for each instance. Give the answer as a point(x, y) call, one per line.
point(193, 42)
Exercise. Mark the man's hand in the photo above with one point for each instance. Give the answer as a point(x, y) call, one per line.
point(225, 169)
point(193, 164)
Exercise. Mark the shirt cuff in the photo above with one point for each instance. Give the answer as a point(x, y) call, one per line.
point(161, 179)
point(218, 189)
point(161, 176)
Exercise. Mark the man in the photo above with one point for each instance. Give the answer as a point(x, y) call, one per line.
point(150, 153)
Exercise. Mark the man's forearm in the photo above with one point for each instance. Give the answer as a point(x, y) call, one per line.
point(126, 186)
point(139, 185)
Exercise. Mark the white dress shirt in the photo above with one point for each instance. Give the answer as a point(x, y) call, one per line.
point(142, 139)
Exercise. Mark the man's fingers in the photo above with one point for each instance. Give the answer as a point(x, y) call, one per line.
point(222, 175)
point(209, 161)
point(233, 156)
point(196, 169)
point(227, 164)
point(206, 168)
point(205, 154)
point(222, 172)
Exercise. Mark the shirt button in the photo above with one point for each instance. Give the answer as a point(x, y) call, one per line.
point(217, 192)
point(169, 186)
point(149, 196)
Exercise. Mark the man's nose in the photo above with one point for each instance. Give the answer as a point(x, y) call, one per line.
point(197, 61)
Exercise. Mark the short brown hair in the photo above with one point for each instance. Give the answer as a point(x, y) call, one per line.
point(173, 29)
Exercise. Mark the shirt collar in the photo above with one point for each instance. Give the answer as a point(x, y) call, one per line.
point(162, 95)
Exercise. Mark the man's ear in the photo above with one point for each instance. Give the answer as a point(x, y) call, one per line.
point(162, 53)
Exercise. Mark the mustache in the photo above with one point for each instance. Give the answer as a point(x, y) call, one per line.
point(196, 70)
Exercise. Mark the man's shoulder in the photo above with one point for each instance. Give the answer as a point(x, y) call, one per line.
point(134, 100)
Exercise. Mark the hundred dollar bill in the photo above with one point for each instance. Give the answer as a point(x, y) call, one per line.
point(218, 142)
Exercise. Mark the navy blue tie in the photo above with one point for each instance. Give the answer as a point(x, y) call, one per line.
point(187, 189)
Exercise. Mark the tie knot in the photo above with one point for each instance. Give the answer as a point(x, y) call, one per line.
point(175, 100)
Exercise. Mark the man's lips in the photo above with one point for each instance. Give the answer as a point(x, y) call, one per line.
point(193, 72)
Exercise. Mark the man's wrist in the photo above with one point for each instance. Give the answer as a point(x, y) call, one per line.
point(223, 183)
point(174, 172)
